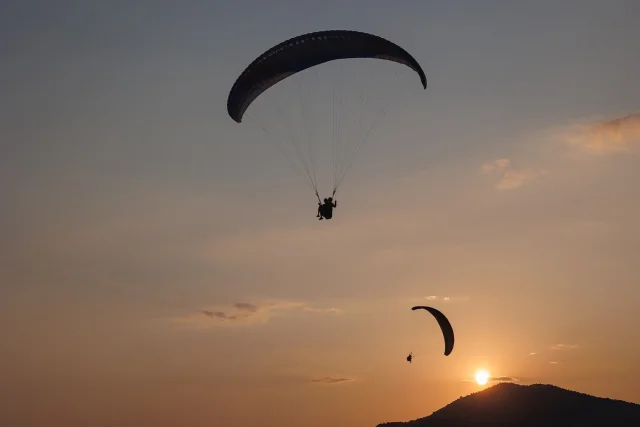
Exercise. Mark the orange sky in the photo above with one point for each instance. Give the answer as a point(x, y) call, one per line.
point(158, 267)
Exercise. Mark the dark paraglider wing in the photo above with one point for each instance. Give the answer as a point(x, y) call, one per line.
point(445, 326)
point(308, 50)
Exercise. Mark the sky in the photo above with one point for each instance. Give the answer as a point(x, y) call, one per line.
point(162, 265)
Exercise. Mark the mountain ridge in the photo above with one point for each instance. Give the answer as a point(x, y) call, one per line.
point(508, 404)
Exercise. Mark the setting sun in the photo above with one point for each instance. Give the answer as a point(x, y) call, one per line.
point(482, 377)
point(158, 199)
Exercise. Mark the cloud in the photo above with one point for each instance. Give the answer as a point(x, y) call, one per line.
point(243, 311)
point(496, 165)
point(532, 354)
point(437, 298)
point(504, 379)
point(554, 363)
point(245, 307)
point(563, 347)
point(511, 178)
point(248, 313)
point(330, 380)
point(322, 310)
point(613, 136)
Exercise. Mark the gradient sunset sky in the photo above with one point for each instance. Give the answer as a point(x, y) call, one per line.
point(158, 267)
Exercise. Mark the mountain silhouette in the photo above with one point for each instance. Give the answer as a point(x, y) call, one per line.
point(508, 404)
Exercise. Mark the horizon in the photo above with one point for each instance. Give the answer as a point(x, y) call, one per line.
point(162, 264)
point(532, 404)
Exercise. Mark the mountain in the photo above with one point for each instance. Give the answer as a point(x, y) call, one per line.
point(508, 404)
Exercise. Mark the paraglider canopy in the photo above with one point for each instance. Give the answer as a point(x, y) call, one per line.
point(363, 75)
point(445, 326)
point(308, 50)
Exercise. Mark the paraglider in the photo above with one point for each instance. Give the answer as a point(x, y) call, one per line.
point(445, 326)
point(288, 60)
point(326, 210)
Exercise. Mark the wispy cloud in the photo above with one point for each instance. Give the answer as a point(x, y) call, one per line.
point(242, 311)
point(437, 298)
point(613, 136)
point(496, 165)
point(510, 177)
point(532, 354)
point(330, 380)
point(445, 298)
point(248, 313)
point(504, 379)
point(322, 310)
point(563, 347)
point(554, 363)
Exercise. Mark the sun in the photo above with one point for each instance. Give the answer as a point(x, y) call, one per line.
point(482, 377)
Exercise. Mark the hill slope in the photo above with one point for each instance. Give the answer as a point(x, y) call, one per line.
point(536, 405)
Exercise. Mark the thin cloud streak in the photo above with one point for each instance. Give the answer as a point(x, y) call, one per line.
point(248, 313)
point(323, 310)
point(445, 298)
point(504, 379)
point(563, 347)
point(511, 178)
point(330, 380)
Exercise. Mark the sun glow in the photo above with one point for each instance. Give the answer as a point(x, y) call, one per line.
point(482, 377)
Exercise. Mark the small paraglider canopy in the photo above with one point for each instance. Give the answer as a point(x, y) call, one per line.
point(445, 326)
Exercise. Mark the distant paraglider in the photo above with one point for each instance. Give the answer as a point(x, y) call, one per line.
point(291, 58)
point(445, 326)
